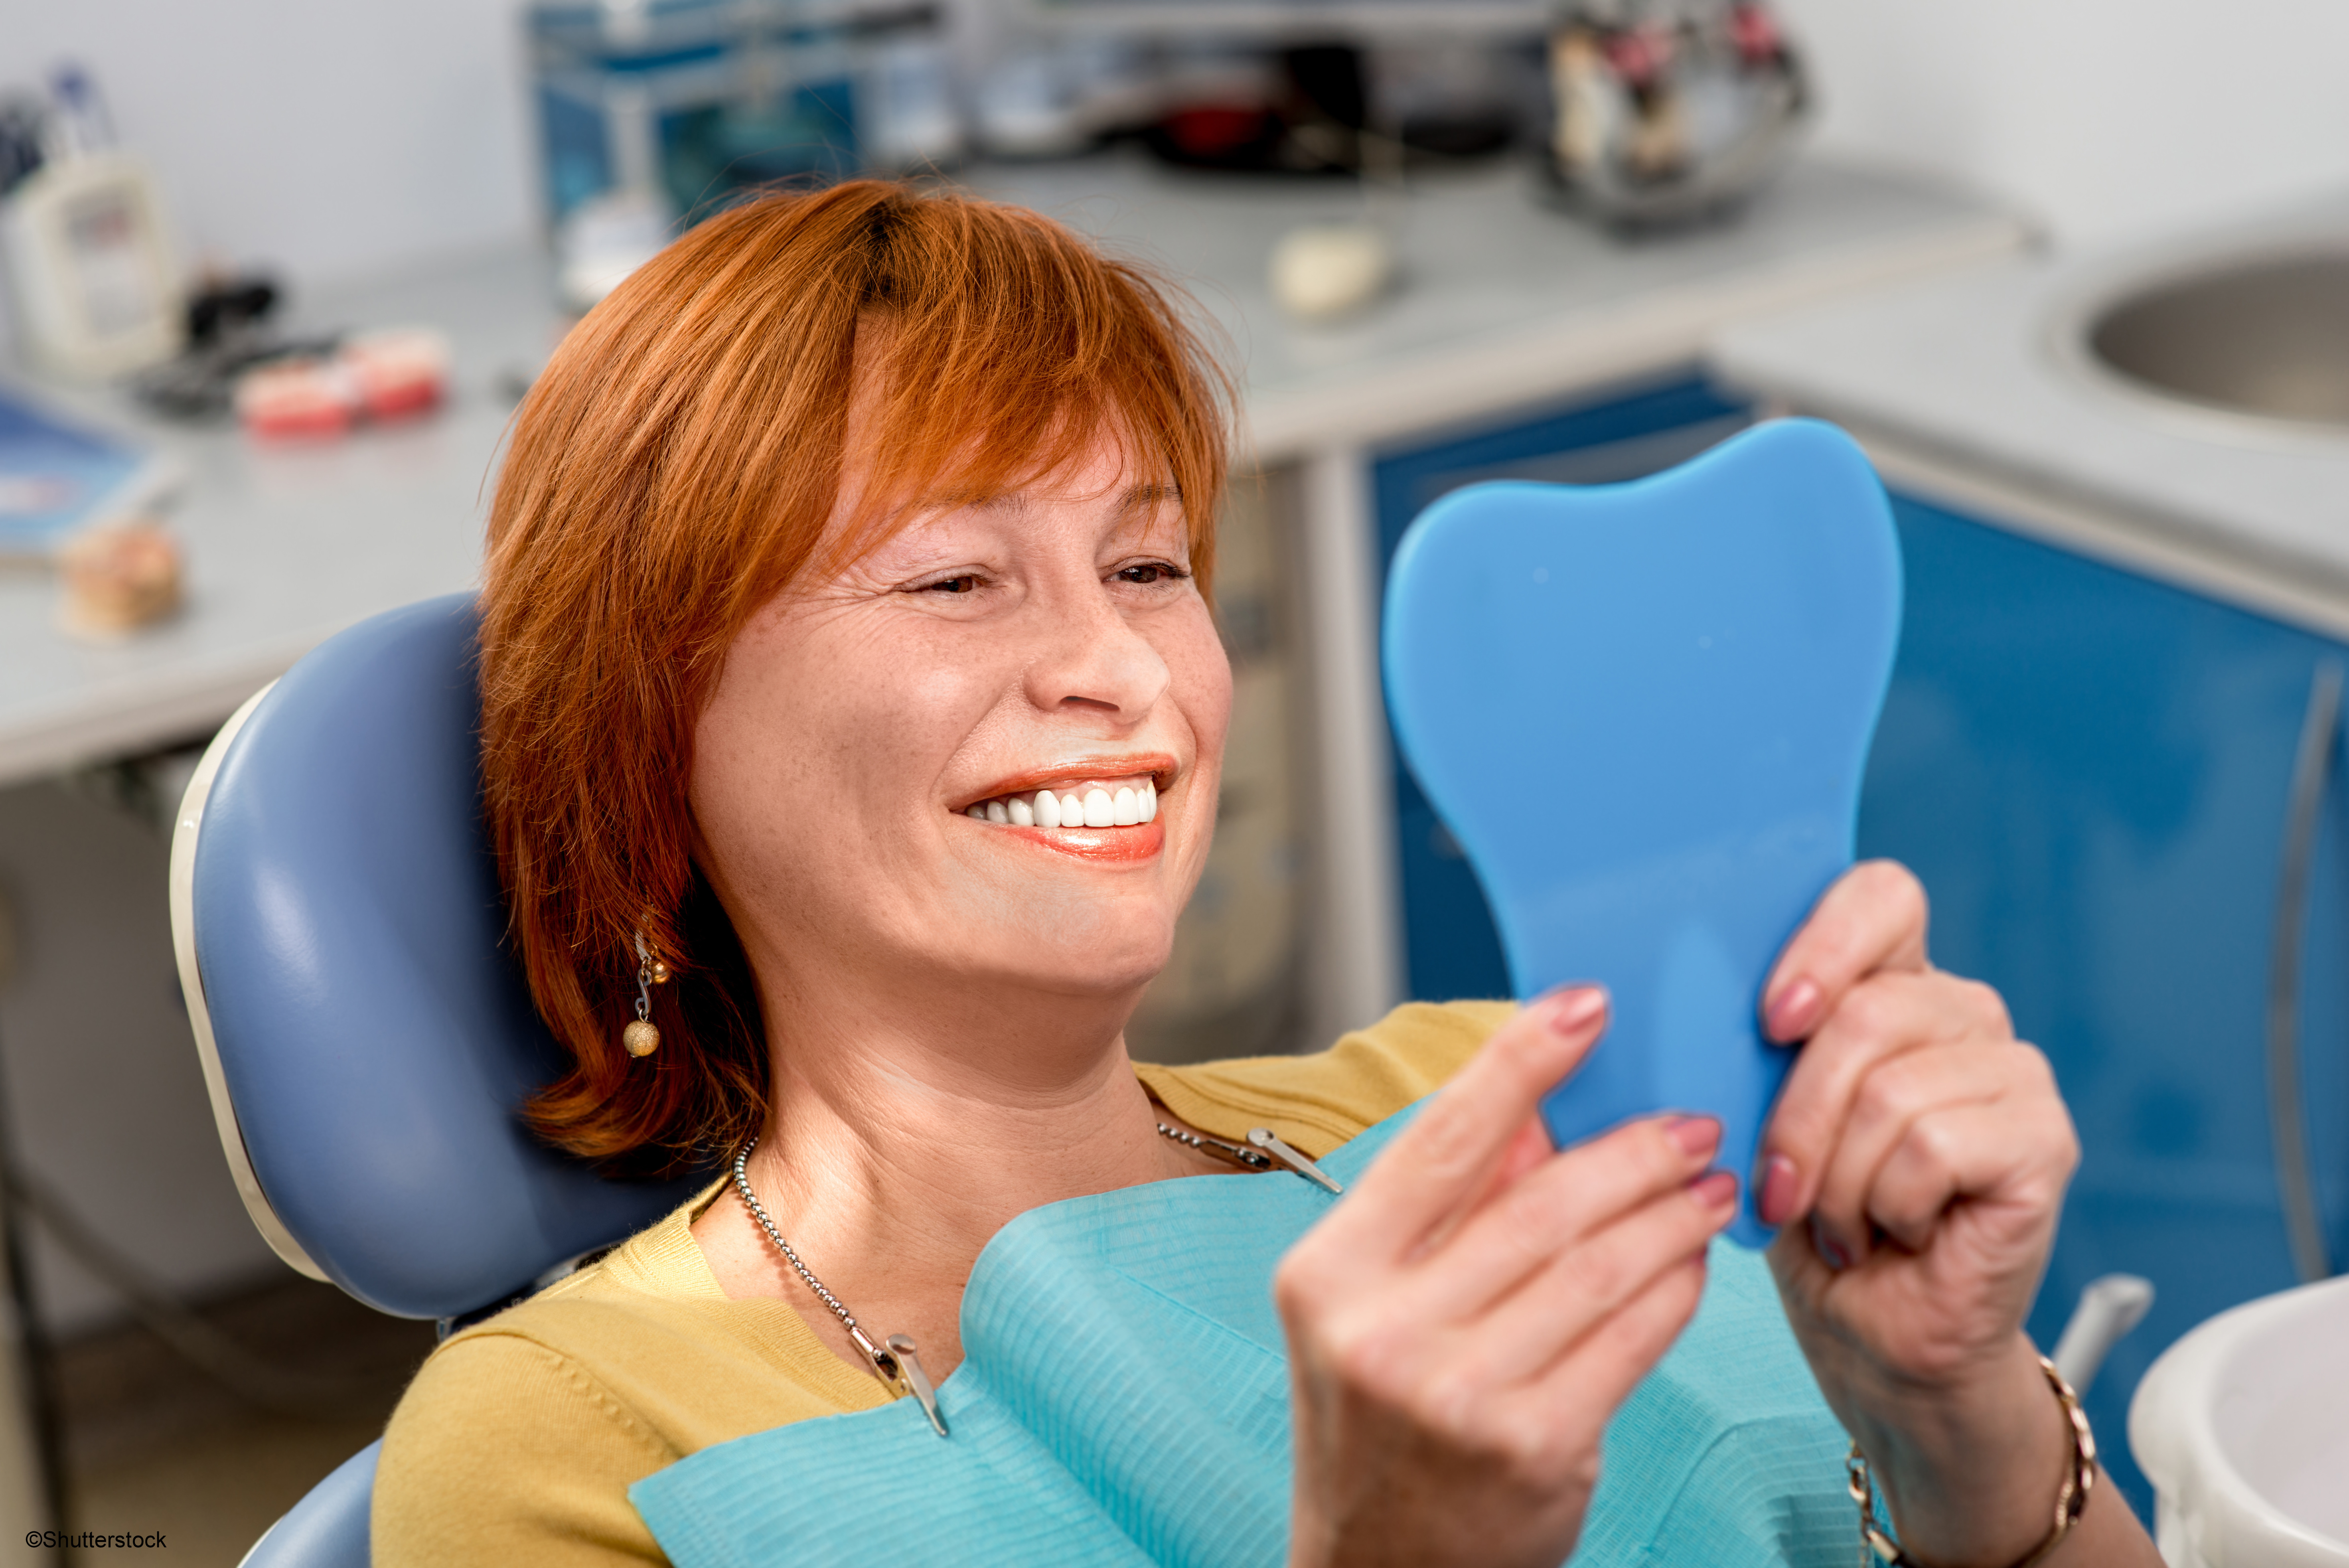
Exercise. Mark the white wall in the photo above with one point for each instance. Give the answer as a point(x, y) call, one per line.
point(2104, 117)
point(332, 136)
point(325, 136)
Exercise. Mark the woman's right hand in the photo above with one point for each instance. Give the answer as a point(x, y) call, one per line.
point(1466, 1319)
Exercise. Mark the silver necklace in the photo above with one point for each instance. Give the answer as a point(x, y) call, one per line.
point(894, 1360)
point(898, 1366)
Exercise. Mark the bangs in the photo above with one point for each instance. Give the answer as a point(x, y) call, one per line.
point(999, 349)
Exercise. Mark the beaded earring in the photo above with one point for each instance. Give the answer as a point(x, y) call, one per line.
point(642, 1036)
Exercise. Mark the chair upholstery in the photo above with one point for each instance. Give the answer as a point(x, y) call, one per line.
point(1643, 711)
point(368, 1039)
point(328, 1528)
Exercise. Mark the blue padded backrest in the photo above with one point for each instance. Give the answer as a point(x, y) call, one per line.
point(1643, 710)
point(328, 1528)
point(374, 1035)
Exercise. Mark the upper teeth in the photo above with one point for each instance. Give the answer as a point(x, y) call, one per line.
point(1097, 807)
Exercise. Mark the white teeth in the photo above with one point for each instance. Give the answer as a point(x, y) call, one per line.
point(1022, 813)
point(1099, 810)
point(1149, 799)
point(1125, 808)
point(1048, 809)
point(996, 812)
point(979, 811)
point(1072, 812)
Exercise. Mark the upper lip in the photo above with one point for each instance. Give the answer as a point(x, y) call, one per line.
point(1079, 770)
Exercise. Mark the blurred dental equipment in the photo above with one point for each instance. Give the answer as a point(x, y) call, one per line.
point(90, 259)
point(371, 376)
point(1324, 270)
point(2111, 1306)
point(2238, 1428)
point(1666, 110)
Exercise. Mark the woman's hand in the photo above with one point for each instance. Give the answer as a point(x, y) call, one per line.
point(1917, 1159)
point(1465, 1321)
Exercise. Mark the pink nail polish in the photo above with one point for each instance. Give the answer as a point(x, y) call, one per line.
point(1790, 1016)
point(1830, 1248)
point(1714, 1190)
point(1779, 1181)
point(1697, 1137)
point(1571, 1011)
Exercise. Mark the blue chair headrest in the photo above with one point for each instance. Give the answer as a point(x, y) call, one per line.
point(1643, 710)
point(370, 1038)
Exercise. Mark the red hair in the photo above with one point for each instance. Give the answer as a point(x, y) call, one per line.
point(675, 468)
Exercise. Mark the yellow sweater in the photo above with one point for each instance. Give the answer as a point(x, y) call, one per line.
point(520, 1438)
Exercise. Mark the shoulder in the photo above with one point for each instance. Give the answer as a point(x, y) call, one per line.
point(504, 1451)
point(519, 1439)
point(1319, 1101)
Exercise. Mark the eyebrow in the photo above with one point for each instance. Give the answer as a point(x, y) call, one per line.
point(1136, 497)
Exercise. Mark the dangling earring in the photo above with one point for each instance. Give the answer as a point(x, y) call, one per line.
point(642, 1037)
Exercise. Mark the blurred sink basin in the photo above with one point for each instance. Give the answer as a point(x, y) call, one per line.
point(2264, 337)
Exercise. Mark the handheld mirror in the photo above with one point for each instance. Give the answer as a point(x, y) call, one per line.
point(1643, 710)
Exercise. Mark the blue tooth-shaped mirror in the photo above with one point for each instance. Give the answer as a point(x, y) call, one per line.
point(1643, 710)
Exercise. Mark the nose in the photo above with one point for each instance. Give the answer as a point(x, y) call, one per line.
point(1089, 657)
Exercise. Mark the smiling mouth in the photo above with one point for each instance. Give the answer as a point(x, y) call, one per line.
point(1106, 802)
point(1103, 810)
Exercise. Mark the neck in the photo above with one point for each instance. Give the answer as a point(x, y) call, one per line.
point(902, 1134)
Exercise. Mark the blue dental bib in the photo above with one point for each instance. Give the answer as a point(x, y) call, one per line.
point(1123, 1400)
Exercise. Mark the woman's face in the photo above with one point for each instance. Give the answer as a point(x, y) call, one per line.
point(866, 778)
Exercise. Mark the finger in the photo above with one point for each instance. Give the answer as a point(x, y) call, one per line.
point(1582, 1388)
point(1873, 918)
point(1586, 1285)
point(1557, 1208)
point(1440, 1163)
point(1889, 1101)
point(2013, 1149)
point(1876, 1022)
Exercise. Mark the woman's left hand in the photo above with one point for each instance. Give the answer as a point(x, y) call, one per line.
point(1917, 1161)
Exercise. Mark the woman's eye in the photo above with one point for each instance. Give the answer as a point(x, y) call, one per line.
point(1151, 572)
point(961, 584)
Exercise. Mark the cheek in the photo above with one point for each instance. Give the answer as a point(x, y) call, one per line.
point(1200, 680)
point(791, 742)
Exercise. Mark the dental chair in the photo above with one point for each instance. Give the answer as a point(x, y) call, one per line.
point(1622, 653)
point(366, 1037)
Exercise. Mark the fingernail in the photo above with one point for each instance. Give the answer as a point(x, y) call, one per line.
point(1830, 1248)
point(1715, 1190)
point(1572, 1011)
point(1698, 1137)
point(1779, 1180)
point(1790, 1016)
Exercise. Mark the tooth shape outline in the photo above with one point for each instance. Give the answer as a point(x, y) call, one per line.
point(1149, 799)
point(978, 810)
point(997, 813)
point(1126, 810)
point(1048, 809)
point(1023, 814)
point(1072, 811)
point(1099, 810)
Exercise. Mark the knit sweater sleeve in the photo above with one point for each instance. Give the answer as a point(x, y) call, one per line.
point(506, 1452)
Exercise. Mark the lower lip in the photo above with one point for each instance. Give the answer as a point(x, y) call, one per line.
point(1141, 842)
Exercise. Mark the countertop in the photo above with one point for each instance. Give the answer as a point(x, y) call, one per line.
point(1502, 304)
point(1977, 382)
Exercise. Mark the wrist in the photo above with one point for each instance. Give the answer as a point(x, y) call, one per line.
point(1971, 1469)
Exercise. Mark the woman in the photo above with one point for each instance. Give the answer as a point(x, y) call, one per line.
point(851, 697)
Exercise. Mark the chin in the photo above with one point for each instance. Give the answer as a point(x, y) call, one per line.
point(1110, 965)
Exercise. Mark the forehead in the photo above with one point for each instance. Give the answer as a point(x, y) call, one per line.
point(1098, 485)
